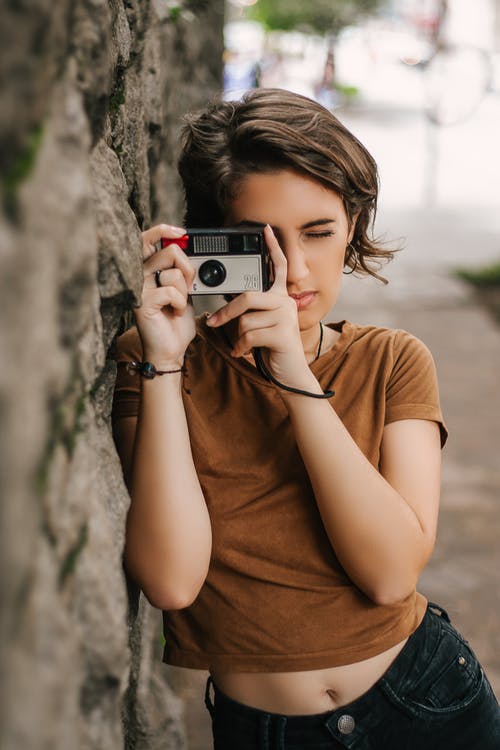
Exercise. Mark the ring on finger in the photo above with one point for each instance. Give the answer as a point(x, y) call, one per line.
point(157, 278)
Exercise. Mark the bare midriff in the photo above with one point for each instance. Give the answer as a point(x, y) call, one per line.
point(302, 693)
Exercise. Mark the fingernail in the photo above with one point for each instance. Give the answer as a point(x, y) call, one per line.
point(212, 319)
point(178, 230)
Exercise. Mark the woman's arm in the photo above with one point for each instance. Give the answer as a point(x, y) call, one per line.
point(168, 533)
point(382, 526)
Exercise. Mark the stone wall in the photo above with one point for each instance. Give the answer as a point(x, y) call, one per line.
point(91, 95)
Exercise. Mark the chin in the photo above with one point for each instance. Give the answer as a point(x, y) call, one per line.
point(312, 316)
point(308, 319)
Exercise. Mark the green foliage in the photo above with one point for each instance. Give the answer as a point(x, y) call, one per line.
point(322, 16)
point(349, 92)
point(482, 277)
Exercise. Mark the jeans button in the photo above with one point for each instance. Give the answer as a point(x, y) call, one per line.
point(346, 724)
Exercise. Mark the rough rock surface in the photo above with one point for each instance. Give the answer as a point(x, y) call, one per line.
point(91, 94)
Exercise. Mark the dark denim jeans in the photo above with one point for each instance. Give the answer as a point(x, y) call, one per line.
point(435, 695)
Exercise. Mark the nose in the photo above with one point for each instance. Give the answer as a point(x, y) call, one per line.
point(297, 268)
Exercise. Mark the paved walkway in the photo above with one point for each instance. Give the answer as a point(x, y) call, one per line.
point(432, 199)
point(422, 297)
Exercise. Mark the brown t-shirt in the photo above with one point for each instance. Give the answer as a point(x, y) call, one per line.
point(276, 598)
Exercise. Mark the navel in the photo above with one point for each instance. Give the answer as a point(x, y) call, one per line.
point(333, 697)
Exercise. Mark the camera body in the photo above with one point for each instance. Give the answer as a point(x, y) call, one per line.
point(228, 260)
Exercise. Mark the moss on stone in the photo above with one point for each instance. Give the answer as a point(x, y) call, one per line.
point(20, 169)
point(175, 12)
point(48, 533)
point(117, 97)
point(41, 478)
point(70, 435)
point(69, 562)
point(185, 10)
point(67, 424)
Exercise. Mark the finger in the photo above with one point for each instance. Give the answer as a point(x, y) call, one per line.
point(242, 303)
point(167, 277)
point(258, 337)
point(256, 320)
point(167, 296)
point(279, 260)
point(171, 257)
point(151, 236)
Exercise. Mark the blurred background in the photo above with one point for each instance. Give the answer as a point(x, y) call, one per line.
point(418, 82)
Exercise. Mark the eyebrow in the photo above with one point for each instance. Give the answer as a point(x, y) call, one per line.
point(307, 225)
point(317, 222)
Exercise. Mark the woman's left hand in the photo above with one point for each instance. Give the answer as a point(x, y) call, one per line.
point(269, 320)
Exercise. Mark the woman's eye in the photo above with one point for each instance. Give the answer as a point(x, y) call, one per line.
point(320, 234)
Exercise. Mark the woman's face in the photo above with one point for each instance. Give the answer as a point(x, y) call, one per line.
point(312, 228)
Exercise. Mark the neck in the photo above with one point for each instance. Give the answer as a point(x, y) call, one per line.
point(312, 342)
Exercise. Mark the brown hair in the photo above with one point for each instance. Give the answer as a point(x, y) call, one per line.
point(269, 130)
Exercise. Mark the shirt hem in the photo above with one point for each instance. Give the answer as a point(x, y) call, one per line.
point(294, 662)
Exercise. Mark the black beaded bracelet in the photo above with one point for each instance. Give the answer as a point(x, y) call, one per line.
point(147, 369)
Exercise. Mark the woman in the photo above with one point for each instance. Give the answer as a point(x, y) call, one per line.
point(282, 532)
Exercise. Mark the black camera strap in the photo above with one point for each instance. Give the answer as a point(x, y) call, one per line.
point(262, 368)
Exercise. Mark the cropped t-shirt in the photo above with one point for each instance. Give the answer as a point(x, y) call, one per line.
point(276, 598)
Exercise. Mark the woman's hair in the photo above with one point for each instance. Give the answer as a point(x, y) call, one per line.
point(265, 132)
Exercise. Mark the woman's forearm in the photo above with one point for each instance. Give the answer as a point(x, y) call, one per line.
point(374, 532)
point(168, 539)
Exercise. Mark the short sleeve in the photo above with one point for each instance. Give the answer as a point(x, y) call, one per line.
point(412, 389)
point(127, 393)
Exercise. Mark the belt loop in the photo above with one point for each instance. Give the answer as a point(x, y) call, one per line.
point(280, 733)
point(265, 721)
point(208, 702)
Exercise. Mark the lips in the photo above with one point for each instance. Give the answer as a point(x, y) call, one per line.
point(304, 299)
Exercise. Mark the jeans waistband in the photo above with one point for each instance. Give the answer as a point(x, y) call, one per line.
point(400, 669)
point(225, 702)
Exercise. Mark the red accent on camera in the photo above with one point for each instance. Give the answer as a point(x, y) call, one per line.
point(181, 241)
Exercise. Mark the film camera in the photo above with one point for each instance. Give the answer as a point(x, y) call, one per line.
point(227, 261)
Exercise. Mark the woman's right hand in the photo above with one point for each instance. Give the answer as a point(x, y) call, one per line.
point(165, 319)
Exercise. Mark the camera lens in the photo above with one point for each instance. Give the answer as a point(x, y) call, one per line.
point(212, 273)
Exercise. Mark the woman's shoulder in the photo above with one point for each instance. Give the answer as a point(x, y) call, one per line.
point(397, 338)
point(384, 346)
